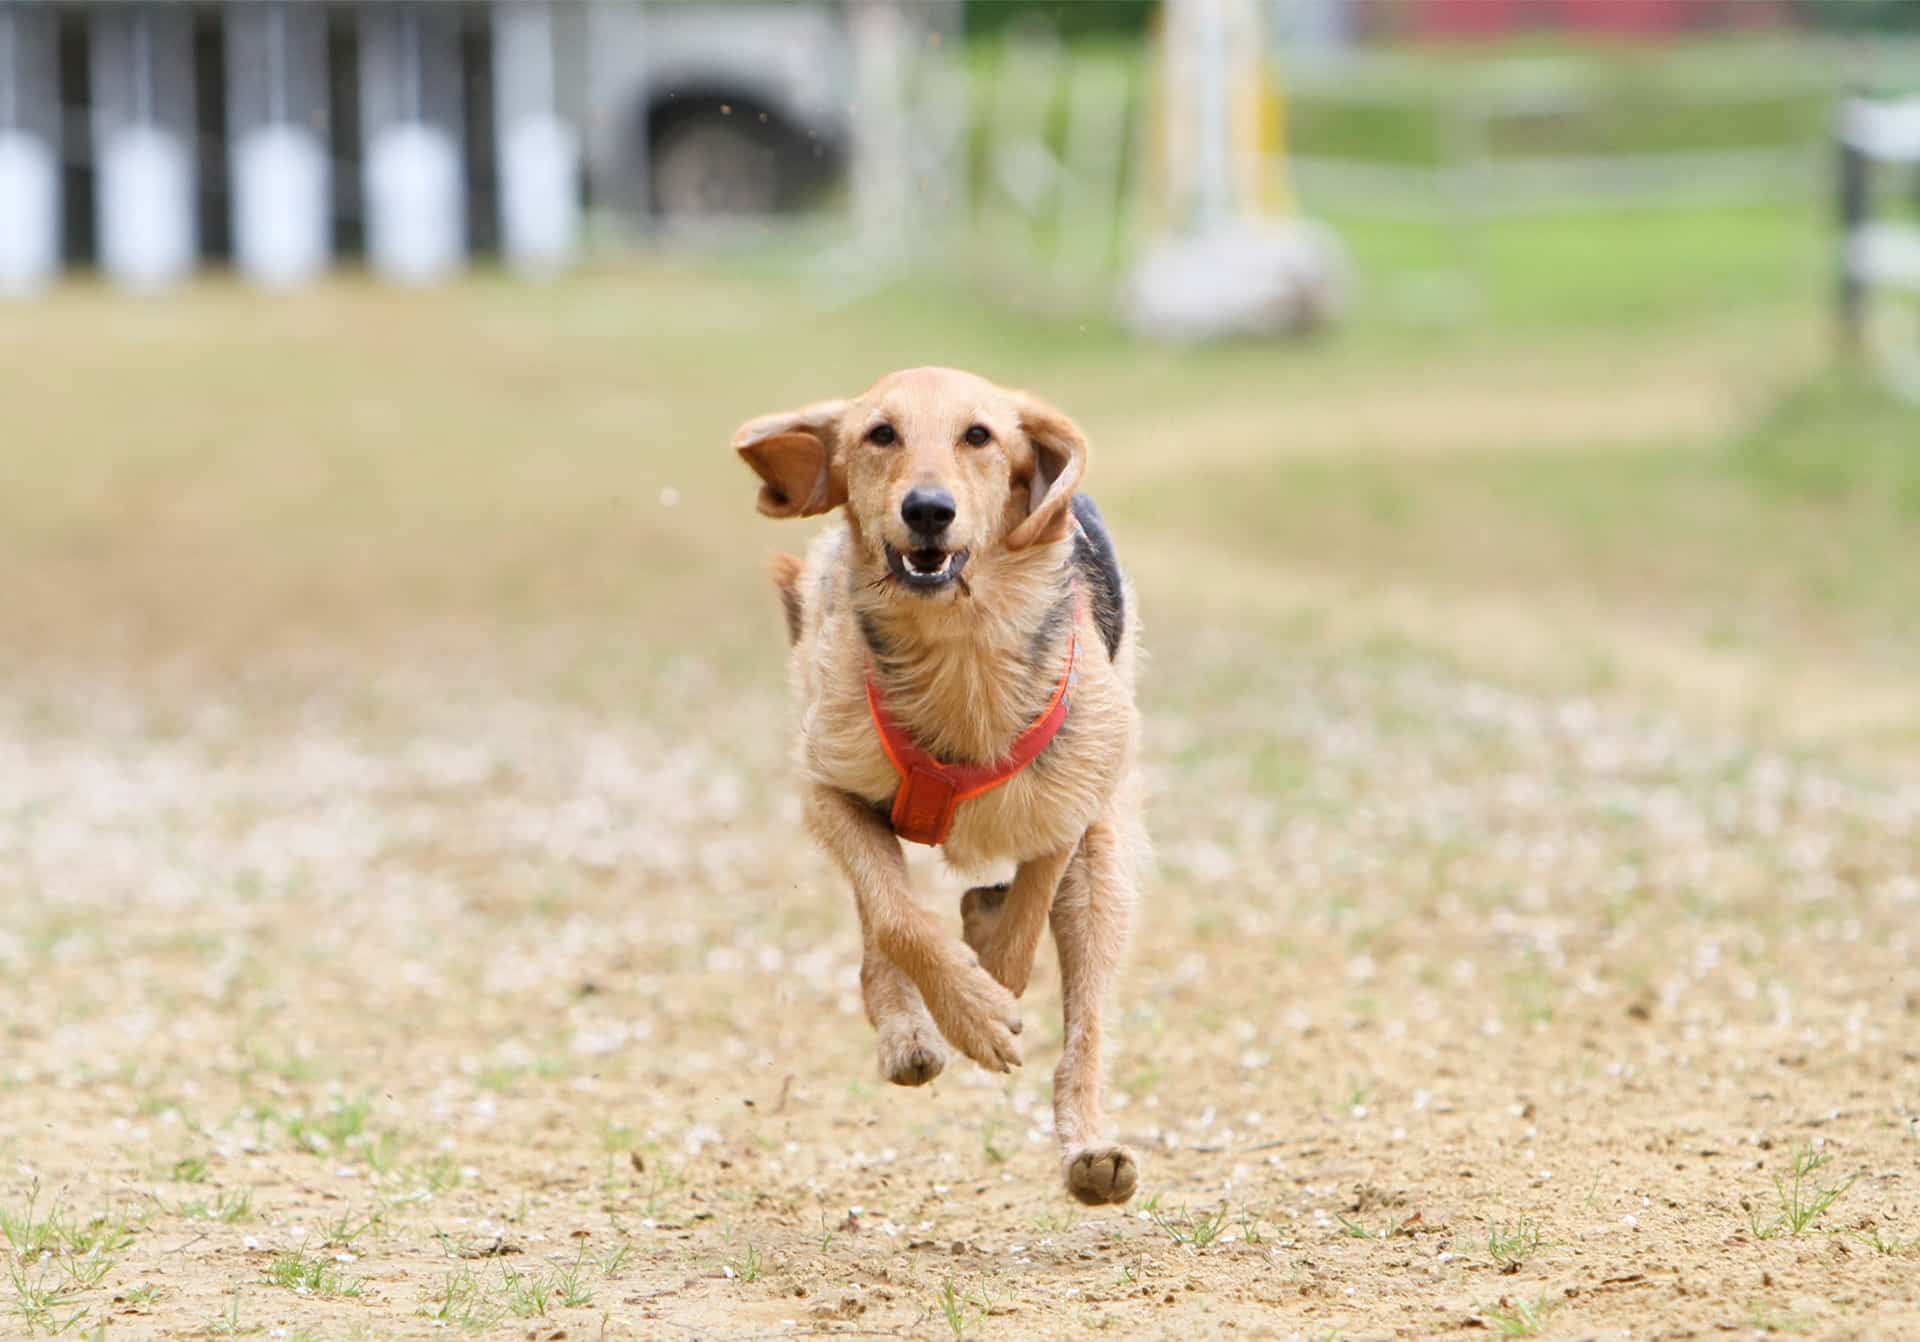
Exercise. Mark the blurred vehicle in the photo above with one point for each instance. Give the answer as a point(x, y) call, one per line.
point(704, 110)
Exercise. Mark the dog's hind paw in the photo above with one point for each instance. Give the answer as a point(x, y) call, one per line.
point(912, 1056)
point(980, 915)
point(1098, 1175)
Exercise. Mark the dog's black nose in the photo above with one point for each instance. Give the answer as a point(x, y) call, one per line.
point(927, 511)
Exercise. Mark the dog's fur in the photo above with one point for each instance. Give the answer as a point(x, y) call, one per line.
point(965, 669)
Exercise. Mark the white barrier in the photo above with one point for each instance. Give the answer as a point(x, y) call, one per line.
point(142, 70)
point(411, 113)
point(539, 153)
point(276, 107)
point(29, 167)
point(1879, 262)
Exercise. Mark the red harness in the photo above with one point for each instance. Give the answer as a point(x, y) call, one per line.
point(930, 792)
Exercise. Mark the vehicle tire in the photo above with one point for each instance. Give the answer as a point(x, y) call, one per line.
point(711, 167)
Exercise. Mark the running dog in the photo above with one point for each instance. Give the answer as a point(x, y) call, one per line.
point(963, 650)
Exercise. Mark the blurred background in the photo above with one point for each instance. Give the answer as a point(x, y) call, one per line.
point(1607, 299)
point(1507, 409)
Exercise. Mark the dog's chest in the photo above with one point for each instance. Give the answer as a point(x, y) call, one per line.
point(1044, 807)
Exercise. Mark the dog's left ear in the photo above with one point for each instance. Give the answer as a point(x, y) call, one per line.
point(1059, 460)
point(792, 453)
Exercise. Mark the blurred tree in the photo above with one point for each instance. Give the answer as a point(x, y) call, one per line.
point(1073, 18)
point(1864, 16)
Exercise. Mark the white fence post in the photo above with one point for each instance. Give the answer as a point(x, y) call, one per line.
point(277, 123)
point(1879, 259)
point(29, 161)
point(539, 152)
point(411, 121)
point(143, 123)
point(880, 164)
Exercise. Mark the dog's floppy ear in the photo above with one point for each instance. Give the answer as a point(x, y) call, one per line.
point(1059, 460)
point(793, 454)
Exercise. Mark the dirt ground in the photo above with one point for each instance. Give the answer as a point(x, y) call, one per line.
point(470, 974)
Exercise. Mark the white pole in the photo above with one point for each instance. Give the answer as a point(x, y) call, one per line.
point(29, 168)
point(539, 153)
point(276, 89)
point(146, 208)
point(879, 142)
point(415, 183)
point(1214, 203)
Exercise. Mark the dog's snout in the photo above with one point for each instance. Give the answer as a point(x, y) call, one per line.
point(927, 511)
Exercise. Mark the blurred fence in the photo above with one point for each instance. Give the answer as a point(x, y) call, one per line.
point(149, 136)
point(1880, 250)
point(285, 135)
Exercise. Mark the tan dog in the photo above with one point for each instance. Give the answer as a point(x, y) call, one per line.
point(968, 598)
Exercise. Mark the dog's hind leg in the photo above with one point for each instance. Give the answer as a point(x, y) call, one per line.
point(1003, 923)
point(1090, 918)
point(911, 1050)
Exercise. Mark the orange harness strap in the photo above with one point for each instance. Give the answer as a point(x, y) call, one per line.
point(931, 792)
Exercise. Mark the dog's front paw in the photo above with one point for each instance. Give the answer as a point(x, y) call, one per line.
point(1102, 1173)
point(911, 1054)
point(978, 1016)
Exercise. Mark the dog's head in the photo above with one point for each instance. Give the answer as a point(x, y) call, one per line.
point(937, 468)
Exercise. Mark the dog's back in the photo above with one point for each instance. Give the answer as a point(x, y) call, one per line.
point(786, 570)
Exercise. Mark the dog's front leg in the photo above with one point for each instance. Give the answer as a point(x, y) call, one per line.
point(1003, 922)
point(976, 1014)
point(911, 1052)
point(1090, 917)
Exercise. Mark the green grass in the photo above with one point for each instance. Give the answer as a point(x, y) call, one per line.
point(1355, 1229)
point(1511, 1244)
point(1839, 441)
point(347, 1229)
point(1396, 107)
point(190, 1170)
point(747, 1267)
point(1766, 1320)
point(953, 1309)
point(1890, 1246)
point(1520, 1318)
point(230, 1323)
point(463, 1302)
point(1729, 544)
point(1190, 1229)
point(53, 1257)
point(311, 1275)
point(228, 1207)
point(1801, 1199)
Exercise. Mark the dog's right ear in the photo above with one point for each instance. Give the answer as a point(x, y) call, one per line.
point(793, 454)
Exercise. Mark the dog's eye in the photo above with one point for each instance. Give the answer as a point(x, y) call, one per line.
point(977, 436)
point(882, 435)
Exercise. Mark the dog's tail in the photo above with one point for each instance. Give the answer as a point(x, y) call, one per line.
point(786, 578)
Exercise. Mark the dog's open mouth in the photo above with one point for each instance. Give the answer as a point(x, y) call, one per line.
point(926, 570)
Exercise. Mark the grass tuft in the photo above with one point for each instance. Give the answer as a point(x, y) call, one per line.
point(1801, 1199)
point(1520, 1318)
point(1191, 1230)
point(1510, 1245)
point(227, 1207)
point(304, 1275)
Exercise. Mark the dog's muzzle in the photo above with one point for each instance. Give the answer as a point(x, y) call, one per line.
point(926, 568)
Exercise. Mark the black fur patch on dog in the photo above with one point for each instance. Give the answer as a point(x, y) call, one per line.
point(1099, 569)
